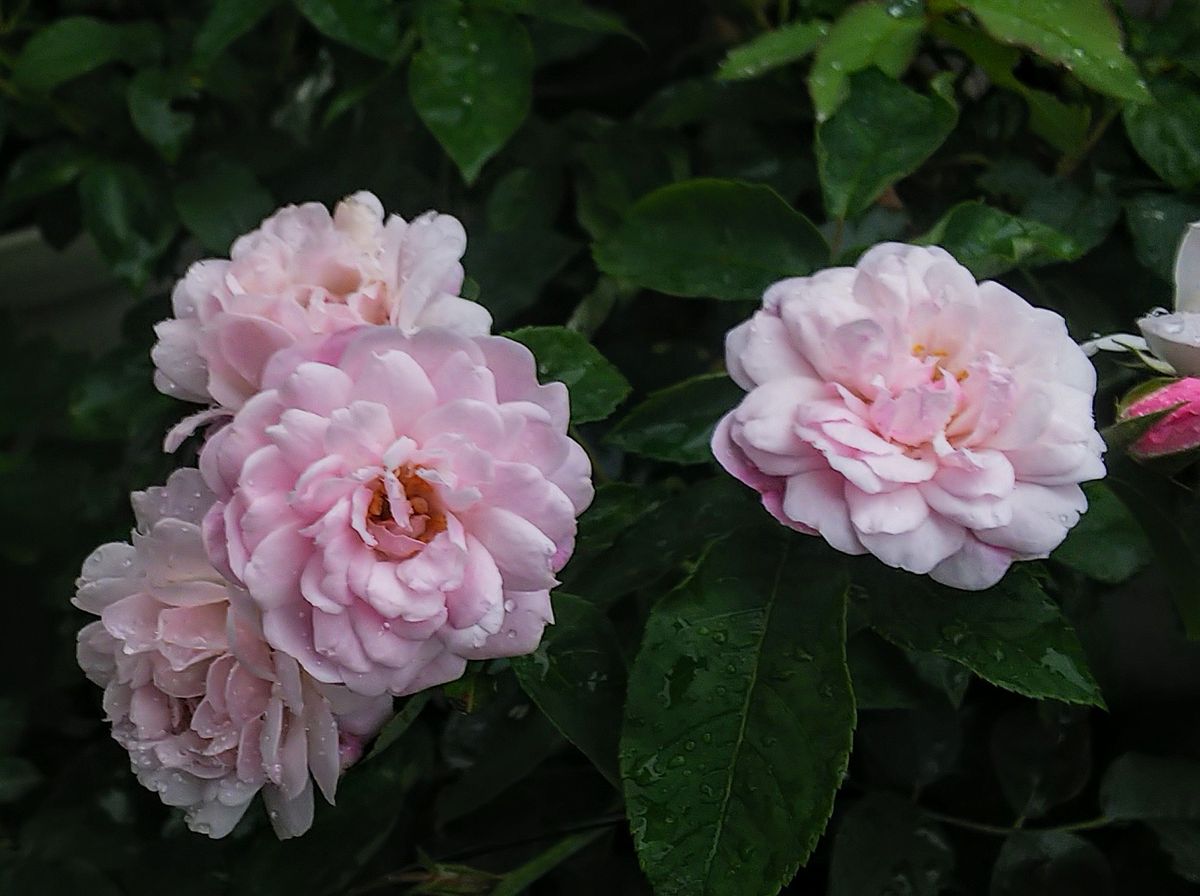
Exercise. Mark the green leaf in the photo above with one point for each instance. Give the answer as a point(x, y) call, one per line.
point(1086, 216)
point(44, 167)
point(773, 49)
point(867, 35)
point(614, 165)
point(563, 355)
point(149, 97)
point(1164, 132)
point(369, 26)
point(17, 777)
point(885, 845)
point(1181, 839)
point(572, 13)
point(1042, 754)
point(226, 22)
point(76, 45)
point(1012, 634)
point(395, 727)
point(577, 678)
point(129, 218)
point(1157, 222)
point(676, 424)
point(1064, 126)
point(739, 719)
point(1140, 787)
point(1050, 863)
point(1082, 35)
point(711, 238)
point(471, 80)
point(500, 745)
point(1108, 544)
point(882, 675)
point(513, 267)
point(656, 544)
point(990, 242)
point(1152, 501)
point(881, 133)
point(525, 199)
point(220, 202)
point(612, 511)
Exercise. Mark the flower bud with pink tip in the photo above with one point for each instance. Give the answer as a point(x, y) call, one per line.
point(1177, 429)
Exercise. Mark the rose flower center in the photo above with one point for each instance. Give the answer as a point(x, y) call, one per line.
point(424, 522)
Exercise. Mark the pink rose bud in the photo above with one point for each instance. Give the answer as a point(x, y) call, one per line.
point(900, 408)
point(1173, 433)
point(397, 505)
point(209, 713)
point(306, 272)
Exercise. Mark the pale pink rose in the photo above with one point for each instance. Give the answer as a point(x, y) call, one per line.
point(209, 714)
point(397, 505)
point(305, 272)
point(902, 409)
point(1175, 432)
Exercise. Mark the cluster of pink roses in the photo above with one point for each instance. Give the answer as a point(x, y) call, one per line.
point(385, 493)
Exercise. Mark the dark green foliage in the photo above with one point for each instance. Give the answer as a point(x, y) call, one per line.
point(631, 175)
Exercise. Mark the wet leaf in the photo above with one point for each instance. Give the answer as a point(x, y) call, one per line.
point(676, 424)
point(991, 242)
point(711, 238)
point(738, 721)
point(1163, 132)
point(1082, 35)
point(564, 356)
point(882, 132)
point(772, 49)
point(470, 81)
point(577, 678)
point(867, 35)
point(1108, 544)
point(76, 45)
point(1012, 634)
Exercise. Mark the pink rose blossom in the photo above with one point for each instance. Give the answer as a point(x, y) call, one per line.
point(209, 714)
point(902, 409)
point(1175, 432)
point(397, 505)
point(305, 272)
